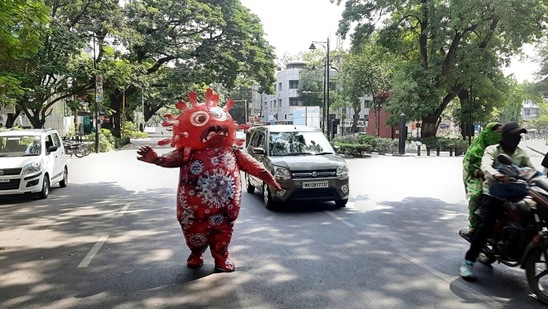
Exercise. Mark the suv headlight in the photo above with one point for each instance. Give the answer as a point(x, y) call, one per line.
point(282, 173)
point(32, 168)
point(342, 171)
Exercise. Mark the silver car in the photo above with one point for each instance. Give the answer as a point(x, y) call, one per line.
point(303, 162)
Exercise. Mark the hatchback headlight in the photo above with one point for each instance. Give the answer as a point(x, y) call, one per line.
point(282, 173)
point(342, 171)
point(32, 168)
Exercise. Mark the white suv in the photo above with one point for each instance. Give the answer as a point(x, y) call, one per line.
point(31, 161)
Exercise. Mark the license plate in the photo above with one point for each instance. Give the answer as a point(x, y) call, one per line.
point(315, 184)
point(4, 180)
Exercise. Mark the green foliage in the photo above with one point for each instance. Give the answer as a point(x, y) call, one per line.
point(148, 55)
point(131, 131)
point(22, 23)
point(358, 144)
point(445, 47)
point(443, 143)
point(355, 150)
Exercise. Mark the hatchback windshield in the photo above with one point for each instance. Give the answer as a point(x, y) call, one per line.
point(299, 143)
point(20, 146)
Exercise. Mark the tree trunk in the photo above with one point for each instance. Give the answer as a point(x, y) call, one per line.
point(429, 126)
point(12, 117)
point(115, 119)
point(35, 120)
point(355, 119)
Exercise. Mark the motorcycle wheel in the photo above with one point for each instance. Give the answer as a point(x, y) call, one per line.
point(87, 150)
point(79, 154)
point(537, 274)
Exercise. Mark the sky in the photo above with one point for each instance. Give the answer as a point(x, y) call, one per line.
point(291, 26)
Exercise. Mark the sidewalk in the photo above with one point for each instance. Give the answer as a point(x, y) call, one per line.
point(537, 147)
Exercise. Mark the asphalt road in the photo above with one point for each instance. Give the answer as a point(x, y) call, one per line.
point(111, 240)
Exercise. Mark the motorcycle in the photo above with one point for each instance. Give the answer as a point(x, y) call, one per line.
point(79, 149)
point(520, 237)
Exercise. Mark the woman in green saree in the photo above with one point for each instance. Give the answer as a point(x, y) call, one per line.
point(472, 174)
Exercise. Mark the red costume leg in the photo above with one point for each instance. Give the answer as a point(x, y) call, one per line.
point(220, 240)
point(196, 236)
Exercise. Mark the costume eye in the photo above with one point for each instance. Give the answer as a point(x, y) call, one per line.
point(199, 118)
point(218, 113)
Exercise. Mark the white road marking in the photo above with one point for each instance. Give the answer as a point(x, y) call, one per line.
point(123, 210)
point(340, 219)
point(85, 262)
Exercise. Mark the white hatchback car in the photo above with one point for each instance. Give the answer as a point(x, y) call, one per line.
point(31, 161)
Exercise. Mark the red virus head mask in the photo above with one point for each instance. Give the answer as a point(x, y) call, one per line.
point(202, 125)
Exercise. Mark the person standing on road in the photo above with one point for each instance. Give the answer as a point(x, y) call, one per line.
point(473, 176)
point(492, 207)
point(209, 191)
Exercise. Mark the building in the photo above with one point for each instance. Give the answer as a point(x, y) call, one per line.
point(285, 106)
point(529, 110)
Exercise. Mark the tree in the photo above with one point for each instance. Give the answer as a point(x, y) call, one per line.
point(22, 23)
point(47, 75)
point(215, 41)
point(367, 72)
point(444, 46)
point(150, 52)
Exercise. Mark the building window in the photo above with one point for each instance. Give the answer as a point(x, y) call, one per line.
point(280, 87)
point(293, 101)
point(294, 84)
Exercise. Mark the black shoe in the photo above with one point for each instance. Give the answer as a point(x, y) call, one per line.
point(466, 233)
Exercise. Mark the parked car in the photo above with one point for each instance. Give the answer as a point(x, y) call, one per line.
point(303, 162)
point(31, 161)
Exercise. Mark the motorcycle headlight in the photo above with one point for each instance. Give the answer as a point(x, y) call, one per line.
point(281, 173)
point(32, 168)
point(342, 171)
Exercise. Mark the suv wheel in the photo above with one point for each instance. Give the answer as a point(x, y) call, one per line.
point(268, 202)
point(45, 188)
point(250, 187)
point(341, 203)
point(63, 183)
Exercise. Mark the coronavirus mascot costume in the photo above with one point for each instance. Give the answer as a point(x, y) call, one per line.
point(209, 191)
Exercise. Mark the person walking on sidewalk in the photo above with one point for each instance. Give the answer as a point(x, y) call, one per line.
point(473, 176)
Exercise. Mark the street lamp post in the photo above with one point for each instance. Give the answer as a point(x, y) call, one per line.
point(96, 105)
point(326, 124)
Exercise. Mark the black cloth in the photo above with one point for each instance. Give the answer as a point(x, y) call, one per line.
point(544, 162)
point(491, 209)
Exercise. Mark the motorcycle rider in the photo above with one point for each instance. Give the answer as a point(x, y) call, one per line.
point(492, 207)
point(473, 176)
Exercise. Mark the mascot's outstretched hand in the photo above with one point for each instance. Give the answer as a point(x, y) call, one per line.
point(147, 154)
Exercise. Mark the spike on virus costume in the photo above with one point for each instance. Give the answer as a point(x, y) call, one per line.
point(209, 191)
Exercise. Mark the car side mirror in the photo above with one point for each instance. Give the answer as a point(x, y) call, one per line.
point(337, 148)
point(258, 150)
point(52, 148)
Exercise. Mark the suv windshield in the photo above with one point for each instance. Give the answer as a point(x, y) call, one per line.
point(299, 143)
point(20, 146)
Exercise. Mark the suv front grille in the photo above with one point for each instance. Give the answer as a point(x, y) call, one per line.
point(10, 171)
point(314, 174)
